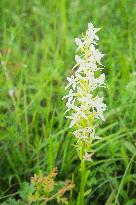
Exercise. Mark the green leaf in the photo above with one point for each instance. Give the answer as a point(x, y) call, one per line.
point(131, 202)
point(110, 198)
point(12, 202)
point(130, 147)
point(26, 189)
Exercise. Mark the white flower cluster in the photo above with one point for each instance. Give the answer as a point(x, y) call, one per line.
point(83, 99)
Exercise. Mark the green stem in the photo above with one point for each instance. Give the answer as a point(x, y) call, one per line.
point(82, 183)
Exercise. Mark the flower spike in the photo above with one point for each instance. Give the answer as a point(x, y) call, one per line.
point(83, 101)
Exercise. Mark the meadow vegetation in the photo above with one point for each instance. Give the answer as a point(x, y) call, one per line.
point(36, 55)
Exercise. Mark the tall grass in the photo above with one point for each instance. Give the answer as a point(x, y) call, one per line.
point(37, 52)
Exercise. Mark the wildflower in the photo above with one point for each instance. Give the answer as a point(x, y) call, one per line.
point(43, 189)
point(84, 102)
point(11, 92)
point(88, 157)
point(79, 42)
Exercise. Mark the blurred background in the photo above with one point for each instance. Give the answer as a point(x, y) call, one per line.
point(37, 52)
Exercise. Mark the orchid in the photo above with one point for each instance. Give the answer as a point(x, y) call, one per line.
point(84, 104)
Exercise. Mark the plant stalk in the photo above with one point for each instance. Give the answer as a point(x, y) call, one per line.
point(82, 183)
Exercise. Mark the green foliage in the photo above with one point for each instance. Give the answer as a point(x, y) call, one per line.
point(41, 190)
point(11, 202)
point(36, 53)
point(26, 190)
